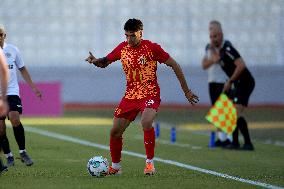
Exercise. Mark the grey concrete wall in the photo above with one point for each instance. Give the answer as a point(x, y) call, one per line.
point(52, 31)
point(88, 84)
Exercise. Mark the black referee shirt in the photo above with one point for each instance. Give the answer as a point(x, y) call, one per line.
point(228, 55)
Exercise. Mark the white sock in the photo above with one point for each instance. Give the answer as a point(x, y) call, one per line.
point(9, 155)
point(230, 137)
point(21, 151)
point(222, 136)
point(116, 165)
point(149, 161)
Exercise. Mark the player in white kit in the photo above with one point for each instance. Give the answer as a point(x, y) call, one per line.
point(15, 62)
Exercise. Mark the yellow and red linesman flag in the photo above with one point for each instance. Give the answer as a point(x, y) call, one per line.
point(223, 114)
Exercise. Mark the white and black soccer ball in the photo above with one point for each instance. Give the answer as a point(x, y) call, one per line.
point(97, 166)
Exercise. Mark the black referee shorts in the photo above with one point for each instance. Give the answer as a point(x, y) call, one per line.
point(215, 89)
point(241, 92)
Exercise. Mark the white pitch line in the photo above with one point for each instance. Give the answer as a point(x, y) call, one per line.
point(276, 143)
point(170, 162)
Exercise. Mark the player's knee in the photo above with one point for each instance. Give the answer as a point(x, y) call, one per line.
point(116, 133)
point(146, 123)
point(15, 122)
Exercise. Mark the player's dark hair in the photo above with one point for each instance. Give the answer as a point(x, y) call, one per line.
point(133, 25)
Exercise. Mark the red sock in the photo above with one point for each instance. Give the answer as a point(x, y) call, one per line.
point(149, 142)
point(115, 146)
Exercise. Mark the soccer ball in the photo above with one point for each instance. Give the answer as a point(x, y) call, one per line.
point(97, 166)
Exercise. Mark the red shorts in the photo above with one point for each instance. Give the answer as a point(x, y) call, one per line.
point(129, 108)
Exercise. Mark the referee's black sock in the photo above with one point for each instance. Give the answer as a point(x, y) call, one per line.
point(5, 144)
point(19, 133)
point(236, 136)
point(241, 122)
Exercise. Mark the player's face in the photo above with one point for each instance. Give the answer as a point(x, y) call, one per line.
point(133, 38)
point(216, 38)
point(2, 37)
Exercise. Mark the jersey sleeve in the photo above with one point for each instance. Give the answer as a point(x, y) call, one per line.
point(18, 59)
point(159, 54)
point(116, 53)
point(232, 52)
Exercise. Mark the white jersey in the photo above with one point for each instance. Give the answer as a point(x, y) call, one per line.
point(215, 72)
point(15, 62)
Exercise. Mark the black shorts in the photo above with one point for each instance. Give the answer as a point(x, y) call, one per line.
point(14, 103)
point(241, 92)
point(215, 89)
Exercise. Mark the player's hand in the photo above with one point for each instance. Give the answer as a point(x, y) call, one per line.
point(215, 55)
point(91, 58)
point(227, 86)
point(191, 97)
point(38, 93)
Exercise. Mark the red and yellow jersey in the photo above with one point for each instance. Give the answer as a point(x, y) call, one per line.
point(140, 66)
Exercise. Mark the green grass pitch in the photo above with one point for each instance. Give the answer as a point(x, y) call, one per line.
point(62, 164)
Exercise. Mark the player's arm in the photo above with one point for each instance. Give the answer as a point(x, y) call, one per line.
point(25, 74)
point(191, 97)
point(100, 62)
point(239, 63)
point(240, 67)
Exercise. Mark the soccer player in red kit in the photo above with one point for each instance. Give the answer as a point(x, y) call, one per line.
point(139, 60)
